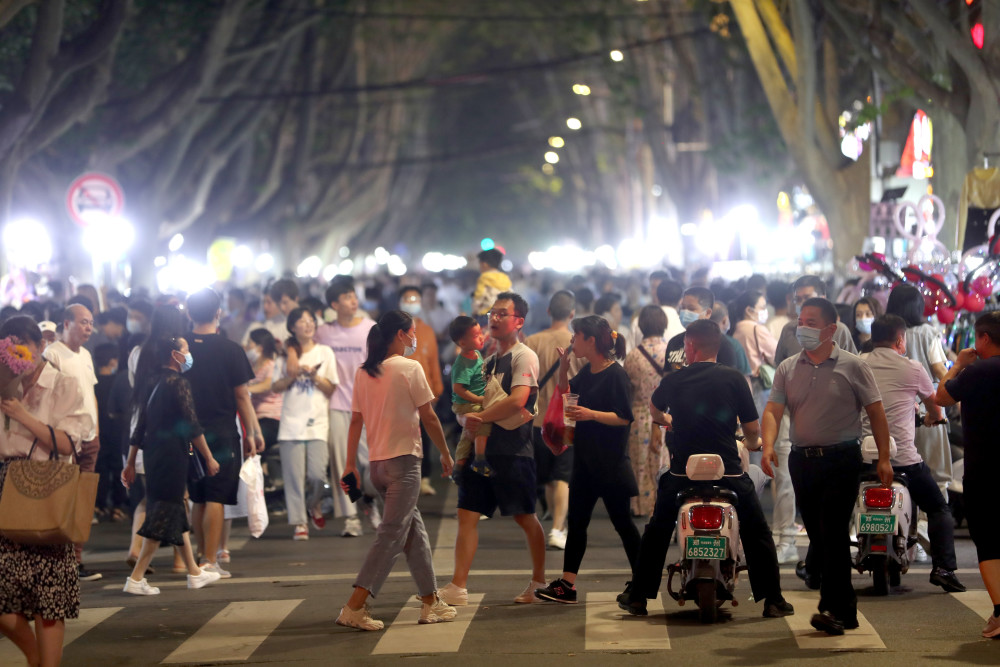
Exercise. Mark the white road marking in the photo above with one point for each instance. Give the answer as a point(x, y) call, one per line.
point(75, 628)
point(807, 637)
point(406, 635)
point(234, 633)
point(978, 601)
point(611, 629)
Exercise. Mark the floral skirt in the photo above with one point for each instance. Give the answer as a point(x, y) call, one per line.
point(166, 522)
point(37, 580)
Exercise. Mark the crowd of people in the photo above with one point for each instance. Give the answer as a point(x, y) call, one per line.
point(342, 388)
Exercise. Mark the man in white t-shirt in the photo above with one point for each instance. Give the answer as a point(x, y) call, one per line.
point(347, 336)
point(69, 356)
point(668, 294)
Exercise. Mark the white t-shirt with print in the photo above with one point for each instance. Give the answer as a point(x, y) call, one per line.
point(388, 403)
point(304, 413)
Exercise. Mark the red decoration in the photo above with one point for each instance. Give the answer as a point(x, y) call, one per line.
point(982, 285)
point(945, 315)
point(959, 299)
point(974, 302)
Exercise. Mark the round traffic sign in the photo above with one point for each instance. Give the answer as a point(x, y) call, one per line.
point(94, 192)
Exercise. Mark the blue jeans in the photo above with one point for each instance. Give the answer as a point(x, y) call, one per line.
point(402, 529)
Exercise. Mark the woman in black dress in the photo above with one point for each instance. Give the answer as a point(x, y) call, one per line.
point(166, 429)
point(601, 465)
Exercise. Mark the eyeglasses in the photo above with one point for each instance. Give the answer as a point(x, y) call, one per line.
point(500, 314)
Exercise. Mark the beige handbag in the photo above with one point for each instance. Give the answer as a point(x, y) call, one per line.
point(47, 502)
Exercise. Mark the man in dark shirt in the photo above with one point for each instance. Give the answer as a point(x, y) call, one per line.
point(698, 303)
point(975, 381)
point(705, 400)
point(218, 377)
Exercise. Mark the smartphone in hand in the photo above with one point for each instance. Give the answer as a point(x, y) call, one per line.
point(353, 490)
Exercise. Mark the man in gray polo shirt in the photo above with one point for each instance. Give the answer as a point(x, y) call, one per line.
point(825, 390)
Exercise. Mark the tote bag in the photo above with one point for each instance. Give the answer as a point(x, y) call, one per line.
point(47, 502)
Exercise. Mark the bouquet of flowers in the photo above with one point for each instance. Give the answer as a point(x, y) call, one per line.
point(15, 361)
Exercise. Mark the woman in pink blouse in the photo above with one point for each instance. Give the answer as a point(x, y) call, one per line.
point(40, 582)
point(750, 312)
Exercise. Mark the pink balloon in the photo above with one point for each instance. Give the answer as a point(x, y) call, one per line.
point(945, 315)
point(982, 285)
point(974, 302)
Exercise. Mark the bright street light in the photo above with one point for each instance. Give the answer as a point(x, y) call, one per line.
point(581, 89)
point(617, 56)
point(107, 238)
point(241, 257)
point(552, 157)
point(548, 169)
point(27, 243)
point(176, 241)
point(573, 123)
point(264, 262)
point(310, 266)
point(556, 142)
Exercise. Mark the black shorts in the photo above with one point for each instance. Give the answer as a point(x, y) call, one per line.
point(548, 466)
point(512, 487)
point(979, 497)
point(223, 486)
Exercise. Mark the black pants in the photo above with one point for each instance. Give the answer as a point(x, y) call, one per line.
point(825, 490)
point(940, 525)
point(758, 545)
point(583, 496)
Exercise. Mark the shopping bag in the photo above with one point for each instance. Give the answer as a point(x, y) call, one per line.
point(47, 502)
point(252, 476)
point(554, 426)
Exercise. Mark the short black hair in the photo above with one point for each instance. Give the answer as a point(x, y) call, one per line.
point(520, 305)
point(659, 275)
point(669, 292)
point(284, 287)
point(313, 304)
point(410, 288)
point(810, 281)
point(584, 298)
point(652, 321)
point(460, 326)
point(104, 354)
point(757, 283)
point(908, 302)
point(886, 329)
point(606, 302)
point(705, 335)
point(118, 315)
point(704, 295)
point(777, 294)
point(827, 310)
point(203, 305)
point(491, 257)
point(989, 324)
point(561, 305)
point(338, 287)
point(23, 328)
point(143, 306)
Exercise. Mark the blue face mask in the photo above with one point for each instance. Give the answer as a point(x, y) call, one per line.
point(808, 338)
point(188, 362)
point(864, 325)
point(687, 317)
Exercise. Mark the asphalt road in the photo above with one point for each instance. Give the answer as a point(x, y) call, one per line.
point(280, 606)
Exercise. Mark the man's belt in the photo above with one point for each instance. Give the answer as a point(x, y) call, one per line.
point(826, 450)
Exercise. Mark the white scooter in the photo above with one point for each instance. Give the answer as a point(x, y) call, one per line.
point(708, 531)
point(882, 518)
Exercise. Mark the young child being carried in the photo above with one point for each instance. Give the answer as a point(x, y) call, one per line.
point(468, 386)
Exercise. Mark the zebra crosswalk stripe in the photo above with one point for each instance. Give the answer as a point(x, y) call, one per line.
point(611, 629)
point(234, 633)
point(405, 635)
point(807, 637)
point(977, 601)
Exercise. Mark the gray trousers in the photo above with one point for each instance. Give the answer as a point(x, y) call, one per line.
point(397, 482)
point(303, 469)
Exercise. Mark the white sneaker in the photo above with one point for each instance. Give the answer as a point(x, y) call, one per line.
point(352, 527)
point(528, 594)
point(301, 533)
point(426, 489)
point(360, 619)
point(557, 538)
point(453, 595)
point(919, 555)
point(214, 567)
point(140, 587)
point(787, 553)
point(438, 612)
point(201, 580)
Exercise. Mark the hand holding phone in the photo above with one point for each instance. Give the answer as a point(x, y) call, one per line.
point(350, 484)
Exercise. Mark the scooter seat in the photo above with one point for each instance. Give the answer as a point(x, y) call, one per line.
point(896, 476)
point(708, 493)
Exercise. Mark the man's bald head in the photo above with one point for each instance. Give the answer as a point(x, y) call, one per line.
point(78, 325)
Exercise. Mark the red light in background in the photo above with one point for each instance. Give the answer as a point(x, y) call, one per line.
point(978, 35)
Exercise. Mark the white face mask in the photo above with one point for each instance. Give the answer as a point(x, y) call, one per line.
point(762, 316)
point(133, 326)
point(411, 348)
point(253, 355)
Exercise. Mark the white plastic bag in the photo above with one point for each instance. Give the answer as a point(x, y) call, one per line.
point(252, 476)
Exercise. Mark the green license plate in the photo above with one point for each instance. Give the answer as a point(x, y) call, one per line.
point(712, 548)
point(877, 524)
